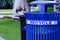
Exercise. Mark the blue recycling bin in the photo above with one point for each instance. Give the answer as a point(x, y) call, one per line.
point(42, 25)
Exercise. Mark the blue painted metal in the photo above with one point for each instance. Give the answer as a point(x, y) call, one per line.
point(44, 31)
point(44, 3)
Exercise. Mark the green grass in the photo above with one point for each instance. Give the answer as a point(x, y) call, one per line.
point(9, 29)
point(6, 11)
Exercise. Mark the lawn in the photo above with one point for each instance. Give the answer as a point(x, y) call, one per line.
point(9, 29)
point(6, 11)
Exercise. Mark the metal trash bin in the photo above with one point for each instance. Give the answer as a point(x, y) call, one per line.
point(42, 25)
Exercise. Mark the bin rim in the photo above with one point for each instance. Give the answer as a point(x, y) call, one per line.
point(41, 13)
point(44, 3)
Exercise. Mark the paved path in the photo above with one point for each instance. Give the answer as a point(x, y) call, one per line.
point(1, 16)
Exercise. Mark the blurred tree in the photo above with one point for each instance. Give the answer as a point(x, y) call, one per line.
point(30, 0)
point(2, 4)
point(6, 4)
point(9, 3)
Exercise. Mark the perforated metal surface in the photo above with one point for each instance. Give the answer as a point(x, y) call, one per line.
point(42, 32)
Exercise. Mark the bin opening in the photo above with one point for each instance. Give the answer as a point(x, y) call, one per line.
point(48, 8)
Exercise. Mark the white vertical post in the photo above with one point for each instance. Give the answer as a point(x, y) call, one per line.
point(26, 5)
point(16, 4)
point(19, 3)
point(54, 7)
